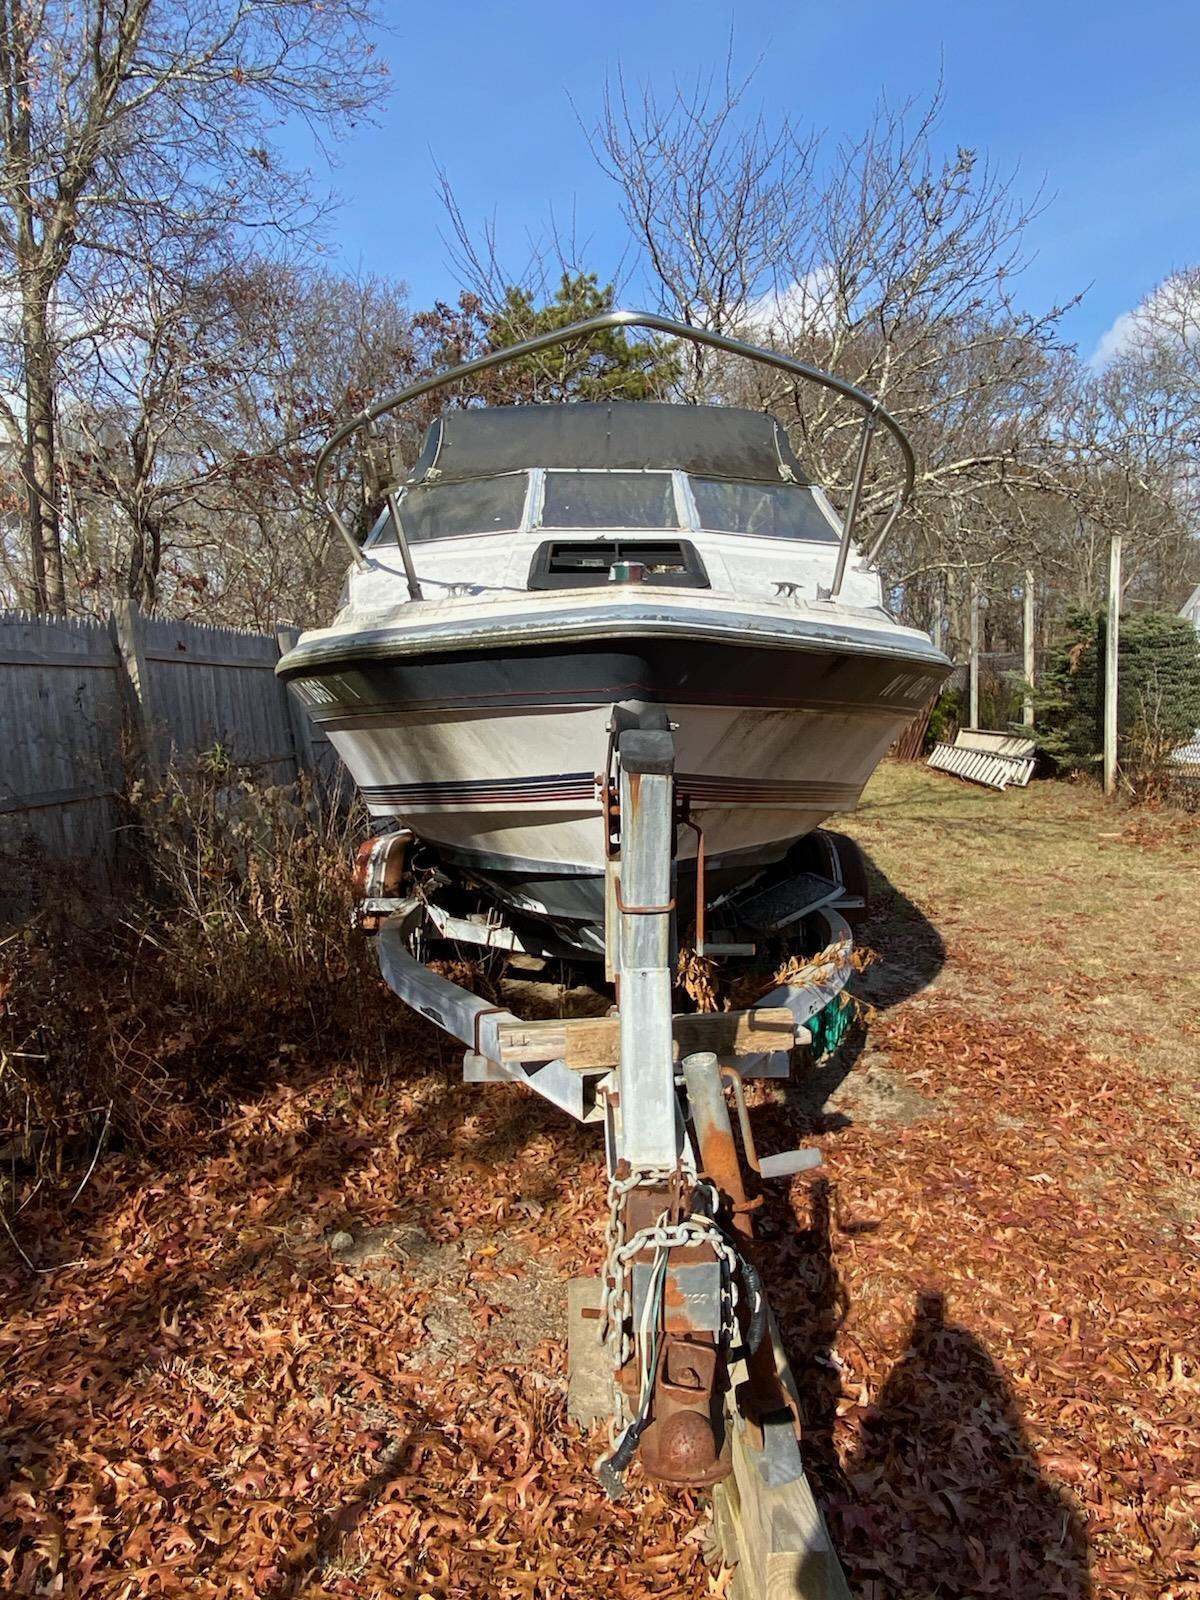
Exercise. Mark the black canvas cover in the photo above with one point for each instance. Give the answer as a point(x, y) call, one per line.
point(711, 441)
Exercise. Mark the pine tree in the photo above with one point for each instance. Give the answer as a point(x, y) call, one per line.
point(613, 365)
point(1158, 690)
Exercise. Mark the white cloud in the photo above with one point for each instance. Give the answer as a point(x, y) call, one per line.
point(1172, 309)
point(805, 306)
point(1115, 340)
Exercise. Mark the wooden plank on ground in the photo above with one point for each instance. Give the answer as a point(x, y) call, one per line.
point(584, 1043)
point(776, 1536)
point(589, 1363)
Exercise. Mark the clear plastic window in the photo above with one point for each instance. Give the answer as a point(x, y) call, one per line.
point(444, 510)
point(609, 500)
point(772, 510)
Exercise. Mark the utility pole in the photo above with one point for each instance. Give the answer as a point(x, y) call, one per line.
point(1111, 648)
point(974, 665)
point(1030, 661)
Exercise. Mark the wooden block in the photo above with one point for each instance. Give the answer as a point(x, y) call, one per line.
point(585, 1043)
point(589, 1363)
point(590, 1040)
point(735, 1033)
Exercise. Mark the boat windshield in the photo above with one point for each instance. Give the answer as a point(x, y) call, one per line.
point(609, 500)
point(772, 510)
point(605, 500)
point(444, 510)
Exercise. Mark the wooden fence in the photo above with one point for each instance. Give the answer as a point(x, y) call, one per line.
point(86, 705)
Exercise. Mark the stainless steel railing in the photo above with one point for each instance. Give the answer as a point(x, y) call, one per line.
point(873, 415)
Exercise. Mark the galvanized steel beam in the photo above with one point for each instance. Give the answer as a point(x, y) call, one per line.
point(646, 1074)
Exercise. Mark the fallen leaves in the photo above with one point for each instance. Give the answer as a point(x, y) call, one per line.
point(992, 1306)
point(1012, 1414)
point(224, 1409)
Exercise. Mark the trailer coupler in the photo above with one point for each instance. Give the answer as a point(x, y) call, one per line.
point(681, 1304)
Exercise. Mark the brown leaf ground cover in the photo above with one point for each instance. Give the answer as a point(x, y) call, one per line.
point(990, 1297)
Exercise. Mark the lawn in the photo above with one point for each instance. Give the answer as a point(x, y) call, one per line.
point(1001, 1265)
point(990, 1294)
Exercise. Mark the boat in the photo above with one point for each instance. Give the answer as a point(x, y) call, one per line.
point(601, 671)
point(545, 575)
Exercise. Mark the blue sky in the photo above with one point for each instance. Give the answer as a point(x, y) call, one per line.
point(1098, 103)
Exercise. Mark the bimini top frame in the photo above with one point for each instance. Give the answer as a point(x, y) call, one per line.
point(873, 415)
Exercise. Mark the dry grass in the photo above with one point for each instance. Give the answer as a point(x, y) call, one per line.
point(231, 950)
point(1055, 906)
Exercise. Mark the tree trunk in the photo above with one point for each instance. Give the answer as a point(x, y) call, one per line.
point(45, 537)
point(145, 559)
point(33, 528)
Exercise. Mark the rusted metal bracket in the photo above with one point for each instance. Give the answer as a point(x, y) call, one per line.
point(784, 1165)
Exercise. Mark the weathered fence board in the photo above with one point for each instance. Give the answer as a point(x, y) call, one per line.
point(60, 725)
point(85, 703)
point(212, 687)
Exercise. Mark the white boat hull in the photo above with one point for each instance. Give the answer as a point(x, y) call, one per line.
point(491, 743)
point(525, 784)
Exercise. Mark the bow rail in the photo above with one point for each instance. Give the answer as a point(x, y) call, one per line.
point(874, 415)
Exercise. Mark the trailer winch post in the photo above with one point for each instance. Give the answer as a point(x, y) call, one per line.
point(762, 1395)
point(650, 1135)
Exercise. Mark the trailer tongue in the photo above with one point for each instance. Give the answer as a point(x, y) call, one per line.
point(701, 1394)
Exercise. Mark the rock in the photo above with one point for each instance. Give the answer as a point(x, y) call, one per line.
point(341, 1241)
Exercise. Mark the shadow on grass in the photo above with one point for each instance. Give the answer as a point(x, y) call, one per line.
point(943, 1496)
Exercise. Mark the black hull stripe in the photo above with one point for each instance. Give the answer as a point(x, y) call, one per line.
point(559, 786)
point(470, 795)
point(699, 788)
point(366, 694)
point(710, 792)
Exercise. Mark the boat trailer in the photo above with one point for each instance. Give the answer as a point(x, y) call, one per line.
point(697, 1385)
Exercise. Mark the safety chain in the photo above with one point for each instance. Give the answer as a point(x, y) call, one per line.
point(616, 1304)
point(617, 1293)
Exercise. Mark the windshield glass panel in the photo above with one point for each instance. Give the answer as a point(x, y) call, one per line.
point(772, 510)
point(444, 510)
point(609, 500)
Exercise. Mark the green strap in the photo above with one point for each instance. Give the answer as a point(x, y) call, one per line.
point(831, 1024)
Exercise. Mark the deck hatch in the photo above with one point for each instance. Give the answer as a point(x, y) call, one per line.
point(586, 563)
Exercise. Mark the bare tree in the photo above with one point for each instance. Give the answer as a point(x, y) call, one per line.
point(1148, 397)
point(875, 258)
point(338, 344)
point(718, 208)
point(120, 126)
point(188, 457)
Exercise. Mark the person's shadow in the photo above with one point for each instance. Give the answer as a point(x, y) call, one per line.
point(943, 1499)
